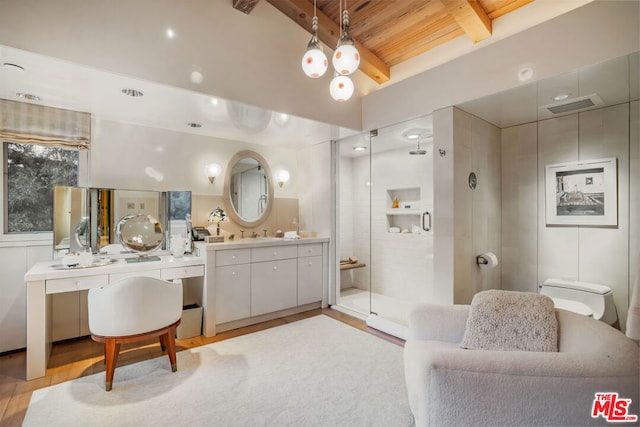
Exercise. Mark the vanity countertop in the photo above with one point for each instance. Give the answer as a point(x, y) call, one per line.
point(46, 270)
point(260, 242)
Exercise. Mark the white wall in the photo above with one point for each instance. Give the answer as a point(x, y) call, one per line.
point(535, 251)
point(593, 33)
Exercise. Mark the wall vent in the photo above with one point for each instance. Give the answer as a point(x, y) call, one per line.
point(574, 104)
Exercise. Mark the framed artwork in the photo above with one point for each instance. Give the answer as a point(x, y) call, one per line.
point(582, 193)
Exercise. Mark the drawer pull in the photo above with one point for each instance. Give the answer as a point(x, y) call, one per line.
point(275, 268)
point(233, 273)
point(275, 254)
point(233, 257)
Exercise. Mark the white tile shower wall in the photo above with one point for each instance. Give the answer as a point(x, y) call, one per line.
point(443, 198)
point(519, 212)
point(605, 133)
point(402, 264)
point(607, 255)
point(467, 222)
point(486, 202)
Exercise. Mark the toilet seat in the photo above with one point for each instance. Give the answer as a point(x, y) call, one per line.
point(574, 306)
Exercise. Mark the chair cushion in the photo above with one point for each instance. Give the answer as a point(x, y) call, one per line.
point(508, 320)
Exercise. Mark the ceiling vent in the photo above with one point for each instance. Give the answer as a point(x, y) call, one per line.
point(574, 104)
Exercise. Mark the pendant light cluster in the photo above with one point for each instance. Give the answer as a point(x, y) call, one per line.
point(346, 58)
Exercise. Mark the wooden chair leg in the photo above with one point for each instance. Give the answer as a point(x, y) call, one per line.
point(170, 340)
point(112, 349)
point(163, 343)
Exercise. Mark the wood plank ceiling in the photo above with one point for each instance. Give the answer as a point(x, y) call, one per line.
point(389, 32)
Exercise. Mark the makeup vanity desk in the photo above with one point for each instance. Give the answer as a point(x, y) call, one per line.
point(43, 280)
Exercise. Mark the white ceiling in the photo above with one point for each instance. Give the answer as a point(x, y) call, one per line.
point(71, 86)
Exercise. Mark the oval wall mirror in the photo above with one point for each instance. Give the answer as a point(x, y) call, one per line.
point(248, 189)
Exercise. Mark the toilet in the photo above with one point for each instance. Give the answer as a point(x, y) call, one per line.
point(589, 299)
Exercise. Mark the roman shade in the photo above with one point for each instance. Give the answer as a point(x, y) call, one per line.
point(25, 123)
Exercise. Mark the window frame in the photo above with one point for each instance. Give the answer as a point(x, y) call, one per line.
point(32, 238)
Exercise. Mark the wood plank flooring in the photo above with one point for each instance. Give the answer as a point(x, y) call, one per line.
point(79, 357)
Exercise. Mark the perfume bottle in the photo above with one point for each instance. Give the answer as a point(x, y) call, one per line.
point(396, 204)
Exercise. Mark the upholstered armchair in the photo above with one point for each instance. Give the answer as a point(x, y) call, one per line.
point(451, 386)
point(134, 309)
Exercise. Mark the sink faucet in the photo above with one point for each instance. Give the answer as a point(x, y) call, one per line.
point(254, 235)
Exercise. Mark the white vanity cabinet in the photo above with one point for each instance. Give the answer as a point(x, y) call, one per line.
point(265, 279)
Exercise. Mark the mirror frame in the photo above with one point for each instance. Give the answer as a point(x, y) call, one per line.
point(231, 210)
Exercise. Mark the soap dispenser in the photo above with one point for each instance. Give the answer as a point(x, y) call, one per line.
point(396, 204)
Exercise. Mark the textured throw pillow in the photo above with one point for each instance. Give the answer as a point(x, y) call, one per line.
point(507, 320)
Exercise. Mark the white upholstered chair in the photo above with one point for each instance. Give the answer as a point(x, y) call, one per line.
point(133, 309)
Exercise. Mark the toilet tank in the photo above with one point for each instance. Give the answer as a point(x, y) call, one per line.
point(598, 298)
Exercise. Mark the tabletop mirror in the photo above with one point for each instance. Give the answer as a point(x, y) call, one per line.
point(248, 189)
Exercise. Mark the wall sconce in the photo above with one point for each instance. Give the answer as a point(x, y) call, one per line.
point(213, 171)
point(282, 177)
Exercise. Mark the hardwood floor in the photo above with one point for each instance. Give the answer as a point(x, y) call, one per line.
point(79, 357)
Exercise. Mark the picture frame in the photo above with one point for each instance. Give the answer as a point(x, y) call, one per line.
point(582, 193)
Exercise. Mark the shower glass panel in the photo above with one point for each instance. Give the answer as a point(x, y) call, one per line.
point(353, 228)
point(385, 242)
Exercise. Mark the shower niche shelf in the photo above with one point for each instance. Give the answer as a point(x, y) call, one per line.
point(407, 214)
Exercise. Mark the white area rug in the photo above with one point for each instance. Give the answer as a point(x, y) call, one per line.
point(314, 372)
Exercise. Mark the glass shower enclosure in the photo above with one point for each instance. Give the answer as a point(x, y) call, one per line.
point(384, 238)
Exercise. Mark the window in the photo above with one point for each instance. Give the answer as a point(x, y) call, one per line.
point(31, 172)
point(41, 147)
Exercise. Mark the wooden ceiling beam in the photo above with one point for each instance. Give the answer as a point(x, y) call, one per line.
point(471, 17)
point(301, 12)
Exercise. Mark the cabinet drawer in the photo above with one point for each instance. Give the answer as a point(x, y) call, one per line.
point(70, 284)
point(313, 249)
point(233, 256)
point(182, 272)
point(119, 276)
point(273, 253)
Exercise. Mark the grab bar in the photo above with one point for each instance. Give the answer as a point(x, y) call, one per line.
point(424, 227)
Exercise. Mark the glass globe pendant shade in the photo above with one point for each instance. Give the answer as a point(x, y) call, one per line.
point(314, 61)
point(341, 88)
point(346, 59)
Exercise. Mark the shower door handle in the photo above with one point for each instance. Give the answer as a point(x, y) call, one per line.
point(426, 227)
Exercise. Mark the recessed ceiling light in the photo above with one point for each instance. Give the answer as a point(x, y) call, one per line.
point(561, 97)
point(525, 73)
point(170, 33)
point(194, 125)
point(28, 96)
point(359, 148)
point(132, 92)
point(416, 133)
